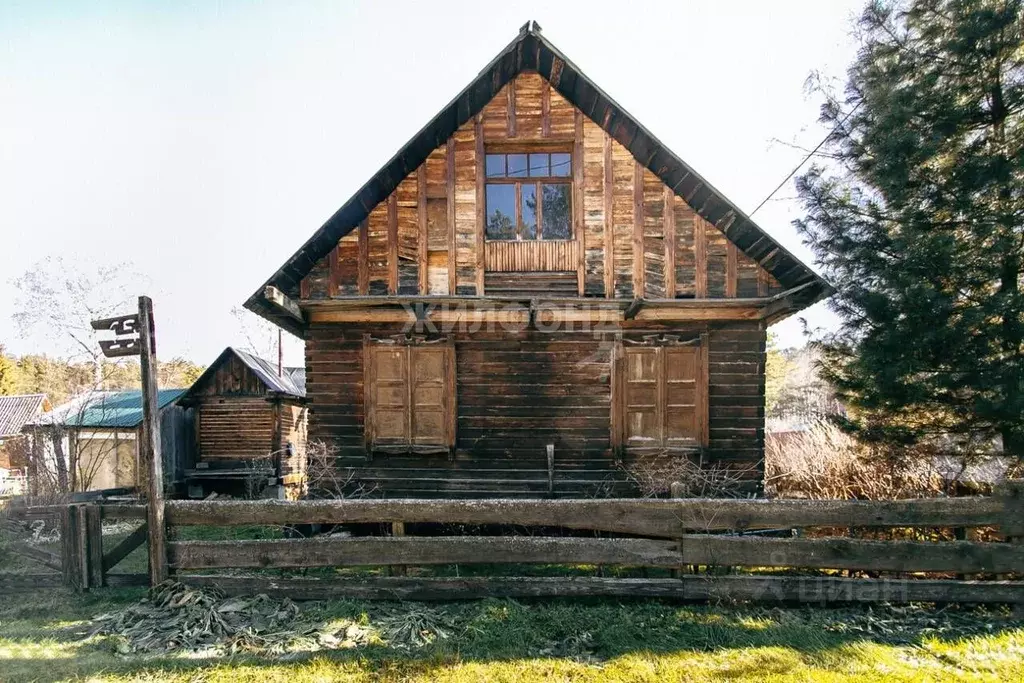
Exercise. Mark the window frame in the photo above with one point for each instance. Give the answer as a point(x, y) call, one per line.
point(537, 181)
point(620, 428)
point(408, 345)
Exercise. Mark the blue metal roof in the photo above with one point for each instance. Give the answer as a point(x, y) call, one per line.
point(106, 409)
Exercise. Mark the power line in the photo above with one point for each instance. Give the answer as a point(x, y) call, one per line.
point(804, 160)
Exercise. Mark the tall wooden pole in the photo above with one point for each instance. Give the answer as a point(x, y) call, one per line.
point(151, 444)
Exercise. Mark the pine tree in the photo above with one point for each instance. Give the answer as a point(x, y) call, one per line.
point(919, 223)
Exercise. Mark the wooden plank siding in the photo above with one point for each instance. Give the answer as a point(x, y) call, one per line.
point(521, 389)
point(633, 236)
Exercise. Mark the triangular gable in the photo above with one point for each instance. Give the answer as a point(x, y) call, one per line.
point(248, 374)
point(530, 51)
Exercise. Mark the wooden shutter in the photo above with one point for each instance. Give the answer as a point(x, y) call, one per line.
point(410, 393)
point(662, 396)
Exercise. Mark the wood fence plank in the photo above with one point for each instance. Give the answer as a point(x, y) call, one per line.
point(71, 551)
point(19, 583)
point(778, 589)
point(93, 552)
point(122, 511)
point(125, 547)
point(40, 555)
point(410, 550)
point(645, 517)
point(854, 554)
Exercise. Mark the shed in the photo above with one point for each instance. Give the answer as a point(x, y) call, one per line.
point(15, 411)
point(249, 424)
point(98, 435)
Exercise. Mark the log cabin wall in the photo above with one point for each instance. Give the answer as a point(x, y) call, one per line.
point(427, 237)
point(519, 390)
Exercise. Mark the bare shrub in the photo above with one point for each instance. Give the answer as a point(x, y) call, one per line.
point(324, 479)
point(655, 474)
point(825, 462)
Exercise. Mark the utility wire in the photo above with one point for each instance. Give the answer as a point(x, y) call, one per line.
point(804, 160)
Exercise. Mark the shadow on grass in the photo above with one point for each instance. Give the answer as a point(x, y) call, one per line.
point(42, 636)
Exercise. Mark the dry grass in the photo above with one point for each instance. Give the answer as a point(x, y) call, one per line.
point(826, 463)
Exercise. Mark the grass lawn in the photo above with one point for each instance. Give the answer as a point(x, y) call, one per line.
point(43, 638)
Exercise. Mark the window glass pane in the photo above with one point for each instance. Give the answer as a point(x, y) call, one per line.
point(555, 210)
point(495, 165)
point(501, 212)
point(516, 165)
point(561, 165)
point(539, 165)
point(528, 227)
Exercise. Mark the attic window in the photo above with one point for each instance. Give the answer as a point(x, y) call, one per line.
point(529, 196)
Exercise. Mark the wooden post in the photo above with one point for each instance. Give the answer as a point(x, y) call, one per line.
point(1011, 492)
point(70, 548)
point(150, 446)
point(91, 527)
point(397, 529)
point(676, 491)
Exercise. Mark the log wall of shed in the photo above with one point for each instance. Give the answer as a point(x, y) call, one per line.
point(519, 390)
point(427, 236)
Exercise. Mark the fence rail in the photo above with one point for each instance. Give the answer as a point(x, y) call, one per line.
point(673, 534)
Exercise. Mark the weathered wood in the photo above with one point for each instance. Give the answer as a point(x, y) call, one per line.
point(125, 547)
point(609, 233)
point(639, 257)
point(510, 108)
point(853, 554)
point(11, 584)
point(669, 235)
point(283, 303)
point(335, 272)
point(423, 280)
point(545, 110)
point(481, 218)
point(92, 555)
point(150, 448)
point(806, 590)
point(71, 548)
point(422, 551)
point(578, 180)
point(363, 276)
point(730, 269)
point(648, 517)
point(40, 555)
point(449, 182)
point(700, 258)
point(393, 243)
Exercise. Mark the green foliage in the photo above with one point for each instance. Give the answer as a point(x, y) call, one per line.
point(8, 374)
point(919, 223)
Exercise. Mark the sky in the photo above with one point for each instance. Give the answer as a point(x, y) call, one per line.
point(203, 142)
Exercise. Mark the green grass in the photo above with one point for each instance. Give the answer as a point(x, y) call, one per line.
point(42, 639)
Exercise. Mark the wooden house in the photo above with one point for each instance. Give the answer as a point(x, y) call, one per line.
point(249, 423)
point(15, 412)
point(534, 296)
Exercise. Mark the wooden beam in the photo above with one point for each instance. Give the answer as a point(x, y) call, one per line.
point(669, 233)
point(579, 229)
point(634, 307)
point(150, 447)
point(125, 547)
point(481, 171)
point(609, 223)
point(422, 550)
point(421, 226)
point(334, 276)
point(647, 517)
point(449, 182)
point(393, 243)
point(700, 258)
point(730, 269)
point(364, 257)
point(283, 303)
point(639, 258)
point(545, 110)
point(510, 108)
point(804, 590)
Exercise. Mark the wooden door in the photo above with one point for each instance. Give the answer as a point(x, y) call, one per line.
point(389, 394)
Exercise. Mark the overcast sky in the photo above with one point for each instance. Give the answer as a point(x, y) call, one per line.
point(204, 142)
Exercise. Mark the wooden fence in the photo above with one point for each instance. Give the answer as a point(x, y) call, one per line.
point(82, 562)
point(678, 535)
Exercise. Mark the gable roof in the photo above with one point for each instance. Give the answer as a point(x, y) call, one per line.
point(292, 382)
point(530, 51)
point(15, 411)
point(104, 410)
